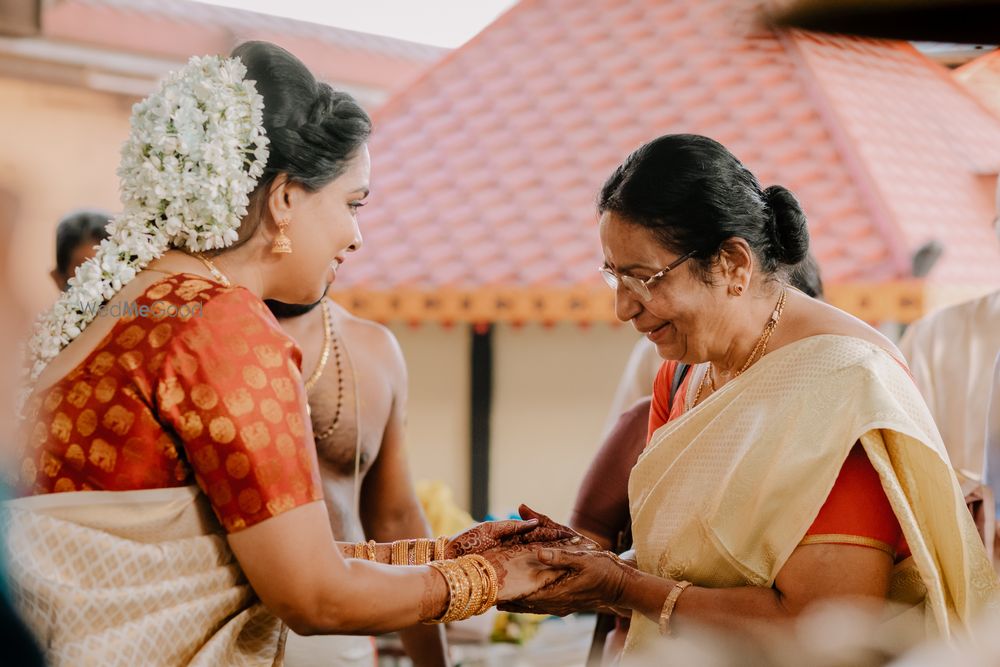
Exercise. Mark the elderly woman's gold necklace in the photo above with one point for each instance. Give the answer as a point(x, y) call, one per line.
point(758, 351)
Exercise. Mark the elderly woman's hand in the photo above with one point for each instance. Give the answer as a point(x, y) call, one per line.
point(590, 581)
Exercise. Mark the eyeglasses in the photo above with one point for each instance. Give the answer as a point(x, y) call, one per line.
point(638, 286)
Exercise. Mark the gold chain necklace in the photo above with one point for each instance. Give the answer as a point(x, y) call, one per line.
point(325, 354)
point(333, 339)
point(759, 350)
point(218, 275)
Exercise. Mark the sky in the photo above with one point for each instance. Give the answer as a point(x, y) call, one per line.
point(448, 23)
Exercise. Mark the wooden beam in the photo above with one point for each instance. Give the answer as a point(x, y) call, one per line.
point(480, 411)
point(900, 301)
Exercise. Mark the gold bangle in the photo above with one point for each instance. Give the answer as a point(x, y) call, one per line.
point(459, 591)
point(477, 585)
point(668, 606)
point(440, 545)
point(359, 550)
point(400, 552)
point(422, 552)
point(371, 553)
point(488, 574)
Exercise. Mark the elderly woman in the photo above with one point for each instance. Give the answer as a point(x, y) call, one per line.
point(797, 463)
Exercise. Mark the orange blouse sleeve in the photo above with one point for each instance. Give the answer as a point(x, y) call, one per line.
point(231, 390)
point(857, 511)
point(659, 410)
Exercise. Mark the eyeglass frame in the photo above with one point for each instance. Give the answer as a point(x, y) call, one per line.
point(638, 286)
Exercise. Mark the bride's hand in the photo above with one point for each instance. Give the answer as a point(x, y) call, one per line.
point(489, 535)
point(574, 539)
point(590, 581)
point(493, 534)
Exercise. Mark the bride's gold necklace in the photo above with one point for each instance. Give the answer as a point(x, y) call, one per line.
point(218, 275)
point(759, 350)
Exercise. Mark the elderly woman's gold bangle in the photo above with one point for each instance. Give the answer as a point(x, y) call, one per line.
point(668, 606)
point(359, 550)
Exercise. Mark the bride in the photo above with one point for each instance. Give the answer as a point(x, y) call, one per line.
point(172, 512)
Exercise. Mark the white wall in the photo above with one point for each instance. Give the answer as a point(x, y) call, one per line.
point(438, 427)
point(60, 152)
point(553, 388)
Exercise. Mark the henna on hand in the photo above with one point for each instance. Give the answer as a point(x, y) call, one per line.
point(547, 524)
point(519, 572)
point(434, 600)
point(485, 536)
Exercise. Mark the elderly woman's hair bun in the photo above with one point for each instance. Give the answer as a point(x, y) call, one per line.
point(789, 231)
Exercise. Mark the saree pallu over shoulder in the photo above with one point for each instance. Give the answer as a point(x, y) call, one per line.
point(724, 494)
point(134, 577)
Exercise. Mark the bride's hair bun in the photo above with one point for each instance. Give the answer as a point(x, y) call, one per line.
point(789, 231)
point(313, 129)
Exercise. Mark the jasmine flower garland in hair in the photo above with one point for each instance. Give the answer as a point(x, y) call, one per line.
point(195, 152)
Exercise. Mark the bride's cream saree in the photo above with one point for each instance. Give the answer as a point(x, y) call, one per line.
point(724, 494)
point(134, 578)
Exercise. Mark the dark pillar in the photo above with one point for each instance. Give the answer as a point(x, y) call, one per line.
point(481, 393)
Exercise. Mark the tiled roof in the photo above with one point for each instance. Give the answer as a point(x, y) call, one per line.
point(486, 170)
point(180, 28)
point(982, 78)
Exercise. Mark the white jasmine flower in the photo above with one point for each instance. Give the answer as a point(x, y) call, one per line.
point(194, 154)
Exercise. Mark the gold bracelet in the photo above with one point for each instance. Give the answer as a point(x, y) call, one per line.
point(478, 586)
point(440, 545)
point(422, 552)
point(668, 606)
point(488, 574)
point(359, 550)
point(371, 553)
point(459, 591)
point(400, 552)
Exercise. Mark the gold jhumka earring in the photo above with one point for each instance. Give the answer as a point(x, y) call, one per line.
point(282, 244)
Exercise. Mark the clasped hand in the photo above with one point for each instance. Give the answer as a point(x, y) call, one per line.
point(546, 567)
point(513, 547)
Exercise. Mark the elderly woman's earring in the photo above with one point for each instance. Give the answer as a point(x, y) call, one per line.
point(737, 290)
point(282, 244)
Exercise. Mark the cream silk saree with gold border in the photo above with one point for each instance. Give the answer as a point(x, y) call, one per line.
point(724, 494)
point(134, 578)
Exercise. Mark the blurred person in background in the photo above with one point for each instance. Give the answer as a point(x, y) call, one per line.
point(951, 354)
point(77, 238)
point(355, 380)
point(19, 647)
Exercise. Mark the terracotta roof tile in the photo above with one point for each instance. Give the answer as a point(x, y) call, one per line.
point(501, 148)
point(982, 77)
point(179, 28)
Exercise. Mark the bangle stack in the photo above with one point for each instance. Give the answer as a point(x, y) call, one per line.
point(472, 587)
point(401, 552)
point(668, 607)
point(365, 550)
point(439, 547)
